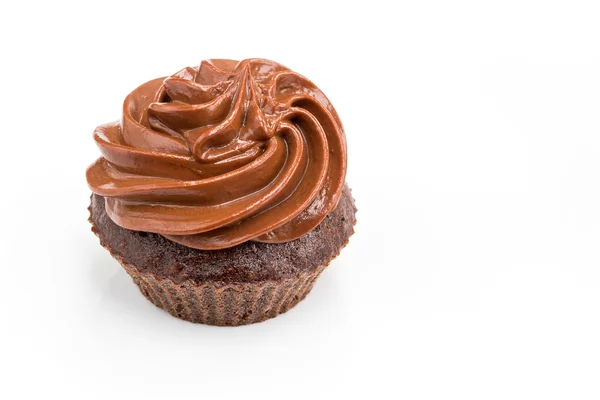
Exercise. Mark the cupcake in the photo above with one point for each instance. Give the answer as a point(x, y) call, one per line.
point(221, 190)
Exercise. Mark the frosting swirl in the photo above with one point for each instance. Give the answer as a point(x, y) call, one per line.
point(223, 153)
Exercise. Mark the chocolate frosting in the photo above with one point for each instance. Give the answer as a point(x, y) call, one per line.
point(223, 153)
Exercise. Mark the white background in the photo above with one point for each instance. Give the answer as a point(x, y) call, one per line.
point(474, 155)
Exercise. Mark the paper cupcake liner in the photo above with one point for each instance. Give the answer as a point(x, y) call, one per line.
point(225, 304)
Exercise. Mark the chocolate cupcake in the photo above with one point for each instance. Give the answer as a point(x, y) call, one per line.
point(222, 190)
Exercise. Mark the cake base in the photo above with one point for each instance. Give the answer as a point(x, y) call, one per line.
point(227, 305)
point(244, 284)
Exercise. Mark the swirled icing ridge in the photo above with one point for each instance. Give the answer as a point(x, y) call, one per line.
point(230, 151)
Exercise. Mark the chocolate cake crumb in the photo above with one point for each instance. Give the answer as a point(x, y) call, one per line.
point(246, 262)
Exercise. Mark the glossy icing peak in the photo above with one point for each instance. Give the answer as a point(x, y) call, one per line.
point(219, 154)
